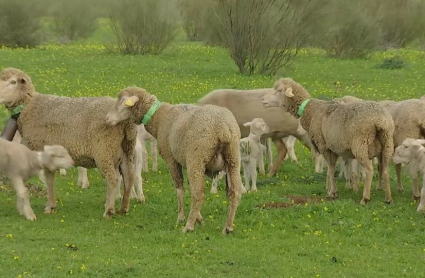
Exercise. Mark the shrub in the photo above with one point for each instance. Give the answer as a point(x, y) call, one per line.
point(143, 26)
point(191, 12)
point(19, 24)
point(262, 36)
point(73, 19)
point(394, 62)
point(351, 31)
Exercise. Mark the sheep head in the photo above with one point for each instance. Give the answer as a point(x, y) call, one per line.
point(287, 94)
point(15, 86)
point(408, 150)
point(132, 104)
point(55, 157)
point(258, 126)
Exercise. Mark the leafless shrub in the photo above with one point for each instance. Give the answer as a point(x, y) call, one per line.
point(191, 11)
point(143, 26)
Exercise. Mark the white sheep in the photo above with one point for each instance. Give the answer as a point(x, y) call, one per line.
point(410, 150)
point(19, 164)
point(290, 145)
point(251, 151)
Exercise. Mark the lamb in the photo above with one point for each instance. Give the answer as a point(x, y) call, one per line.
point(409, 120)
point(144, 137)
point(251, 151)
point(202, 139)
point(19, 164)
point(361, 130)
point(78, 124)
point(409, 150)
point(281, 123)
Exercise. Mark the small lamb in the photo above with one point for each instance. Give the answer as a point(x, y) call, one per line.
point(413, 149)
point(251, 150)
point(19, 164)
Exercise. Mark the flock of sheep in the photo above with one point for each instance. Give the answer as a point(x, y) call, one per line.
point(224, 130)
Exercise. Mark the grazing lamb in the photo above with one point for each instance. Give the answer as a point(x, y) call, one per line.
point(281, 123)
point(251, 151)
point(205, 140)
point(360, 130)
point(19, 164)
point(144, 137)
point(78, 124)
point(409, 150)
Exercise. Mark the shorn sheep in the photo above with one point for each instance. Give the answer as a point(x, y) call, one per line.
point(19, 164)
point(78, 124)
point(202, 139)
point(360, 130)
point(409, 150)
point(281, 123)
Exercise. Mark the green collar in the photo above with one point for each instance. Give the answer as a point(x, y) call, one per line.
point(17, 110)
point(302, 107)
point(147, 117)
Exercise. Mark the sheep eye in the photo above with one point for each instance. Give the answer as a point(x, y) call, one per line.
point(13, 82)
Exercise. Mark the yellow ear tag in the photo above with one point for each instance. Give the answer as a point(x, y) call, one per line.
point(129, 102)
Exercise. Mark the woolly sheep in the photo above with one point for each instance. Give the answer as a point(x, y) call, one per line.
point(409, 150)
point(281, 123)
point(202, 139)
point(251, 150)
point(78, 124)
point(19, 164)
point(360, 130)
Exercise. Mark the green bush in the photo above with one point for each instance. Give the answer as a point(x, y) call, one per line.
point(394, 62)
point(143, 26)
point(73, 19)
point(19, 24)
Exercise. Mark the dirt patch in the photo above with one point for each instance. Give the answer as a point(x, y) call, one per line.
point(36, 190)
point(296, 200)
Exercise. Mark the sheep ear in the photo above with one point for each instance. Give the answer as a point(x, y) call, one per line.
point(247, 124)
point(131, 101)
point(288, 92)
point(421, 141)
point(22, 80)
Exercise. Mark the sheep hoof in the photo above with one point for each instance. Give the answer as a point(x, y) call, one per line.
point(380, 188)
point(187, 229)
point(108, 213)
point(271, 174)
point(49, 210)
point(227, 231)
point(213, 191)
point(31, 217)
point(400, 189)
point(416, 198)
point(122, 211)
point(180, 219)
point(254, 189)
point(141, 199)
point(388, 201)
point(200, 221)
point(364, 201)
point(420, 208)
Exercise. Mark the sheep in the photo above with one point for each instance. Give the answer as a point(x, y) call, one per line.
point(202, 139)
point(260, 161)
point(78, 124)
point(409, 120)
point(144, 137)
point(251, 149)
point(360, 130)
point(290, 145)
point(19, 163)
point(411, 149)
point(281, 123)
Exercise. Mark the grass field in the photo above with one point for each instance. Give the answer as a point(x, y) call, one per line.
point(317, 239)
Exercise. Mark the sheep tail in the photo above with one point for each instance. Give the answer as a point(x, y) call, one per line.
point(385, 137)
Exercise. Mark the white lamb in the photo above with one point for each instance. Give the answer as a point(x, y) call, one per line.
point(251, 151)
point(409, 150)
point(19, 164)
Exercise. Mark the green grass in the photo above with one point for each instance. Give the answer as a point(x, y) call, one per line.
point(324, 239)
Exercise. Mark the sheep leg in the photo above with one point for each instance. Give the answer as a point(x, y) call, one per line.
point(51, 200)
point(260, 159)
point(177, 176)
point(62, 172)
point(347, 171)
point(413, 173)
point(145, 157)
point(331, 160)
point(253, 172)
point(355, 174)
point(154, 155)
point(195, 175)
point(246, 174)
point(282, 150)
point(318, 163)
point(269, 154)
point(215, 184)
point(233, 189)
point(83, 180)
point(127, 170)
point(400, 187)
point(23, 199)
point(422, 201)
point(111, 175)
point(367, 164)
point(118, 187)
